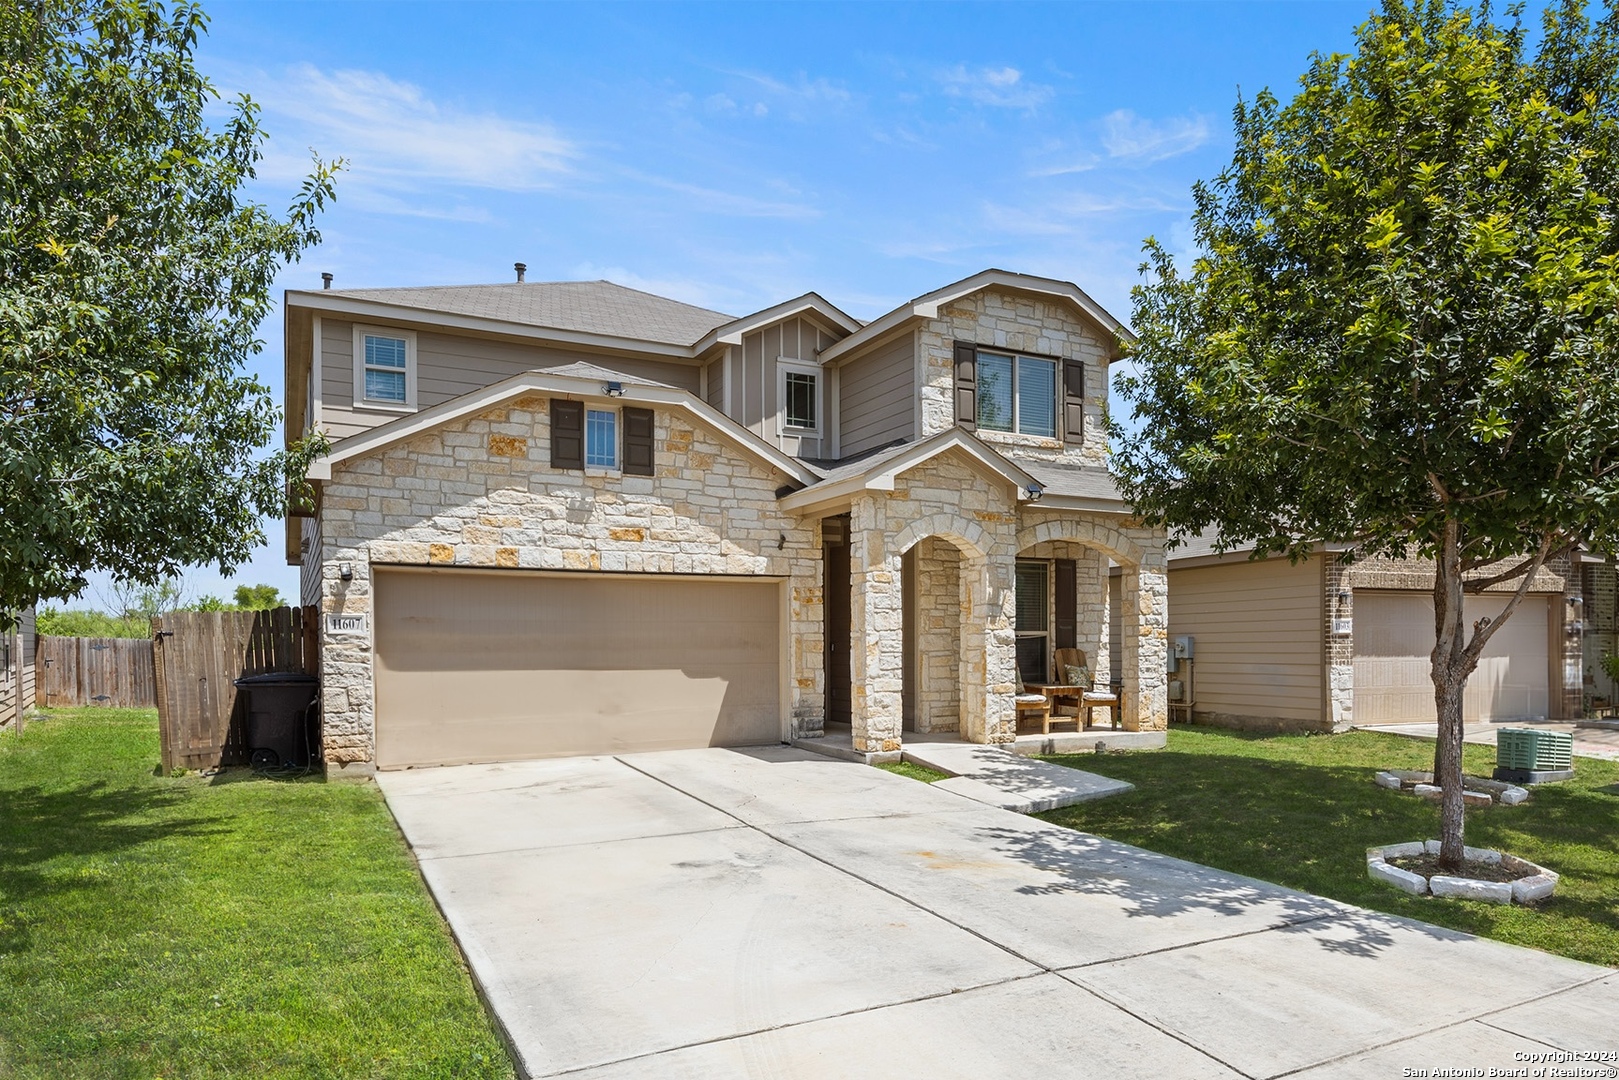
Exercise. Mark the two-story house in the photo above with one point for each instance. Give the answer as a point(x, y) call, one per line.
point(574, 518)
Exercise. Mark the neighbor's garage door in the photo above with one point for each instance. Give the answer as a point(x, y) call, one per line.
point(492, 666)
point(1394, 635)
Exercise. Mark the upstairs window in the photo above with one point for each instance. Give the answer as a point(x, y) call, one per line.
point(800, 395)
point(384, 368)
point(1017, 394)
point(601, 438)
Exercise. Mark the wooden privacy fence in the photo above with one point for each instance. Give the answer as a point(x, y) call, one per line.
point(199, 656)
point(116, 672)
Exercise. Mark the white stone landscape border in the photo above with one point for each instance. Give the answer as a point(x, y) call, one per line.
point(1476, 790)
point(1538, 883)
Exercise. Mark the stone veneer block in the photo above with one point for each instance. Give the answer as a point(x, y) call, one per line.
point(1512, 796)
point(1494, 892)
point(1536, 887)
point(1388, 780)
point(1428, 791)
point(1396, 851)
point(1476, 798)
point(1405, 880)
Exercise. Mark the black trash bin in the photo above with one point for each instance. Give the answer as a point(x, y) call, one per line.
point(280, 718)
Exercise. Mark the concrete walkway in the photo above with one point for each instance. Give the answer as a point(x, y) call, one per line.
point(995, 777)
point(1596, 740)
point(773, 913)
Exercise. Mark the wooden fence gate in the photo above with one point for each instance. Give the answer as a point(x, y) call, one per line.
point(199, 656)
point(116, 672)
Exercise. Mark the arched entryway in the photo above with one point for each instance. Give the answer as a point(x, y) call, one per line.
point(1064, 564)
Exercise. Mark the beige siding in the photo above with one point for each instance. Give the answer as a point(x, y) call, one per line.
point(877, 397)
point(449, 365)
point(757, 398)
point(1258, 630)
point(309, 568)
point(716, 384)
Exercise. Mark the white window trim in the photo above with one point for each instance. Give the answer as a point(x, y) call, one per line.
point(785, 364)
point(1017, 394)
point(360, 400)
point(618, 442)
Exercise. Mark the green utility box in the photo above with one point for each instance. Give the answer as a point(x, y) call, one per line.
point(1527, 756)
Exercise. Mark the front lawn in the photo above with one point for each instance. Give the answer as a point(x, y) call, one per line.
point(1302, 810)
point(214, 927)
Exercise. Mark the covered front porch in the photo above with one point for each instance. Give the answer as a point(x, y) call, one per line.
point(946, 586)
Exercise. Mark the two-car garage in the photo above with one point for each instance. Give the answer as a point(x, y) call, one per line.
point(490, 665)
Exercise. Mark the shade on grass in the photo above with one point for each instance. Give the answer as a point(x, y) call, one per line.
point(213, 927)
point(1302, 810)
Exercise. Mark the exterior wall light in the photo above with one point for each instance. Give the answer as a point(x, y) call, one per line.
point(346, 572)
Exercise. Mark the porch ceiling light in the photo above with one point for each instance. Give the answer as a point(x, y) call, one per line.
point(1034, 491)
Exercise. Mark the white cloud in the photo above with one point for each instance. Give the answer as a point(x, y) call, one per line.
point(1003, 87)
point(396, 137)
point(713, 200)
point(686, 290)
point(1129, 137)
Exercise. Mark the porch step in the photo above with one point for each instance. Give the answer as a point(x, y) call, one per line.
point(841, 746)
point(997, 777)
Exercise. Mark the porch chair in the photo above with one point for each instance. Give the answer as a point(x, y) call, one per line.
point(1036, 704)
point(1088, 697)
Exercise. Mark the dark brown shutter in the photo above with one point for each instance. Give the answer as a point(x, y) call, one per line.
point(1067, 590)
point(567, 434)
point(637, 441)
point(967, 385)
point(1073, 401)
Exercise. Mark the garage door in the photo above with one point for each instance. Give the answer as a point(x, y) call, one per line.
point(491, 666)
point(1394, 635)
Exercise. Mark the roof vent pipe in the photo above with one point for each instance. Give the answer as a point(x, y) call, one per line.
point(521, 268)
point(326, 281)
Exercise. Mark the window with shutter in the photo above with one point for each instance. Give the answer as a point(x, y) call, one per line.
point(638, 442)
point(967, 385)
point(1073, 401)
point(567, 434)
point(1065, 585)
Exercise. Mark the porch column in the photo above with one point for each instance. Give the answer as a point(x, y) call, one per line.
point(876, 632)
point(1144, 622)
point(991, 715)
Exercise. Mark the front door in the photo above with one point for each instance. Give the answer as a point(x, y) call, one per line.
point(838, 592)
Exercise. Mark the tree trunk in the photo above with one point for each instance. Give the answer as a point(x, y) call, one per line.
point(1450, 668)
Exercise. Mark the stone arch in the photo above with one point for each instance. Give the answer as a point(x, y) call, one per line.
point(969, 536)
point(1115, 544)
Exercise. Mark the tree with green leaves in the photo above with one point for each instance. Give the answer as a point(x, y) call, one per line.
point(1401, 325)
point(133, 277)
point(258, 597)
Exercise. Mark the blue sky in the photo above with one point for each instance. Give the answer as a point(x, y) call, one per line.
point(736, 155)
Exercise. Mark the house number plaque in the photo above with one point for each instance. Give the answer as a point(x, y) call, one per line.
point(345, 624)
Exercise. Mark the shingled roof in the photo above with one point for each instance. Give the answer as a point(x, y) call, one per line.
point(590, 307)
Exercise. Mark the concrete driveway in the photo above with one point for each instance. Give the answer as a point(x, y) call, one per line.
point(772, 913)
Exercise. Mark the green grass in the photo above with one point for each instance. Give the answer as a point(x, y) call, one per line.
point(915, 772)
point(214, 927)
point(1302, 810)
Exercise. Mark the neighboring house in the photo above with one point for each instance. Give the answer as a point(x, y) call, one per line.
point(1599, 617)
point(17, 662)
point(574, 518)
point(1321, 644)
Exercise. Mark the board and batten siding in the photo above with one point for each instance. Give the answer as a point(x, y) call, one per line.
point(1258, 630)
point(755, 400)
point(877, 397)
point(449, 365)
point(716, 384)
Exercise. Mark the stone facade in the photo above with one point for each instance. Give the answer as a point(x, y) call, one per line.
point(999, 319)
point(940, 609)
point(479, 492)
